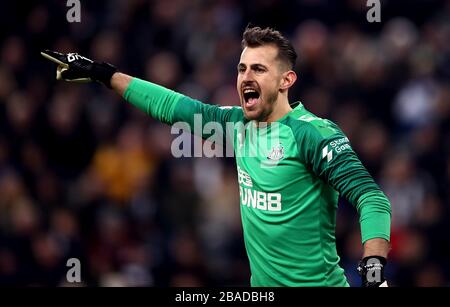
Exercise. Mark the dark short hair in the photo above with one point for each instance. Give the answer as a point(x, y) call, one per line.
point(256, 37)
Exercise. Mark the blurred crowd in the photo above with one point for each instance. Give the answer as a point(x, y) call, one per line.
point(85, 175)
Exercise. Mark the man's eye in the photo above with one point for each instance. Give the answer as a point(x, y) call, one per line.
point(241, 69)
point(259, 70)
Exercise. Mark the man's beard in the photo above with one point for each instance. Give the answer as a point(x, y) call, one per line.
point(265, 108)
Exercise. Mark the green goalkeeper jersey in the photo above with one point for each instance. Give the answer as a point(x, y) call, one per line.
point(290, 173)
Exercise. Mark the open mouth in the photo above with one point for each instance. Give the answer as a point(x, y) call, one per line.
point(251, 97)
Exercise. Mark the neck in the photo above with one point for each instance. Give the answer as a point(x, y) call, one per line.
point(280, 109)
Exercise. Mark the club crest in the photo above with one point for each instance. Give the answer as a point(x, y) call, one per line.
point(277, 153)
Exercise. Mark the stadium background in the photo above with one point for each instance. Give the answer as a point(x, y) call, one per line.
point(82, 174)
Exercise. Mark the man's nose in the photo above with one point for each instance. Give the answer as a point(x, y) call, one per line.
point(247, 75)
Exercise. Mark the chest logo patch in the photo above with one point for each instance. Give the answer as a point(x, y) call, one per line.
point(277, 153)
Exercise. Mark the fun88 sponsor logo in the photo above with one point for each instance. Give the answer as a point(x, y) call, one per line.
point(256, 199)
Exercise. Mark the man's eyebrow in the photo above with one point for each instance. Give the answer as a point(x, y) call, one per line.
point(258, 65)
point(252, 66)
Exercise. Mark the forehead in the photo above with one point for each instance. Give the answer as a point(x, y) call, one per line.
point(266, 54)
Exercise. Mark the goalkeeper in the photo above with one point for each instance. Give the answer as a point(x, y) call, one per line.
point(289, 193)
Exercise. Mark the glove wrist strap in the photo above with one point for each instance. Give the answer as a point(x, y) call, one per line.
point(371, 270)
point(103, 72)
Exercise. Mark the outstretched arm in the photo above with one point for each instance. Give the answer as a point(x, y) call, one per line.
point(157, 101)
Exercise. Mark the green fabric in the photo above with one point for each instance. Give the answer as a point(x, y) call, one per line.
point(375, 223)
point(155, 100)
point(344, 172)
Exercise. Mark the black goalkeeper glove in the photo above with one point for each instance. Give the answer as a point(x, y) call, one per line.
point(371, 270)
point(76, 68)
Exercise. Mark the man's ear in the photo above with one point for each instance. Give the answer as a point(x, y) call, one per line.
point(288, 79)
